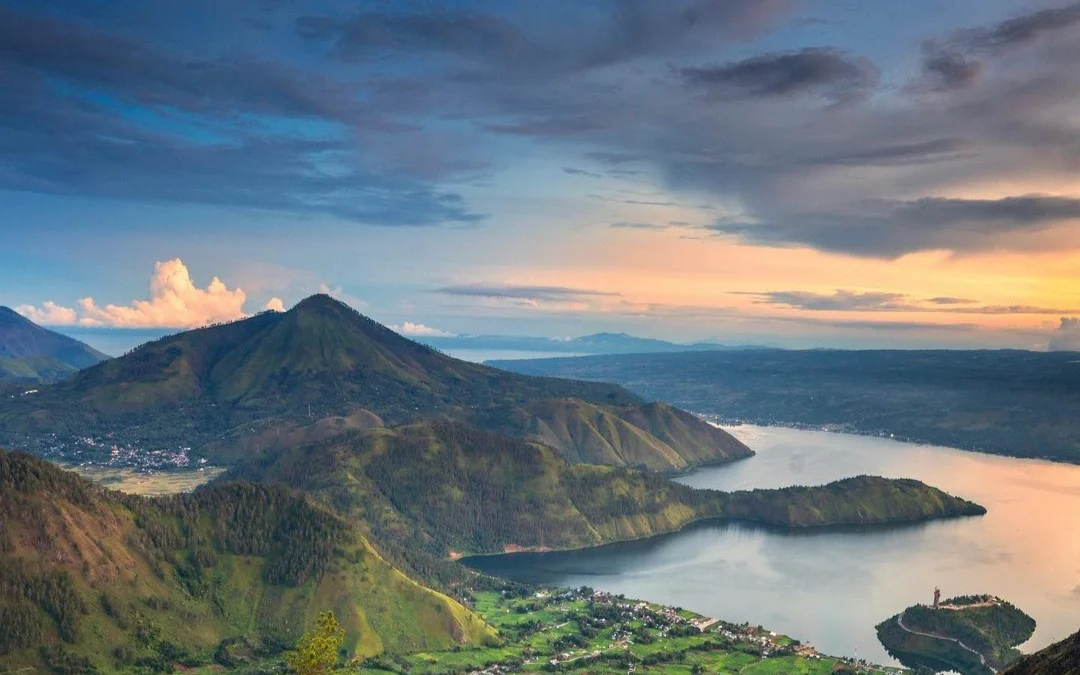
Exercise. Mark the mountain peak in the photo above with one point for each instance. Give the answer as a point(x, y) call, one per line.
point(319, 301)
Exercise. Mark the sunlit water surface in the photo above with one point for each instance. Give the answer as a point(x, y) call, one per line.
point(832, 587)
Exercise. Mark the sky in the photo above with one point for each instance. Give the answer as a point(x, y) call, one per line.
point(792, 172)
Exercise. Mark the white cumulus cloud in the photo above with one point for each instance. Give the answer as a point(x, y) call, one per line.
point(174, 302)
point(420, 330)
point(50, 314)
point(275, 305)
point(1067, 337)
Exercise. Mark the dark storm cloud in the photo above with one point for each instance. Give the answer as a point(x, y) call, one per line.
point(949, 68)
point(826, 72)
point(97, 114)
point(1027, 28)
point(959, 62)
point(119, 66)
point(890, 229)
point(378, 112)
point(528, 293)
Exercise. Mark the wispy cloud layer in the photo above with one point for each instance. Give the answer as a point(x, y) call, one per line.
point(877, 301)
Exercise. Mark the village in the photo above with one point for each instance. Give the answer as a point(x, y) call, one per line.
point(589, 631)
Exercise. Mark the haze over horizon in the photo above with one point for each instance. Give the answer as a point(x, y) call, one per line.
point(799, 173)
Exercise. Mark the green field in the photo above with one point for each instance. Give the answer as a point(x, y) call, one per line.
point(148, 484)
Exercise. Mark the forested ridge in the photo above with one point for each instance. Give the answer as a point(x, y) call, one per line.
point(451, 489)
point(92, 579)
point(1060, 658)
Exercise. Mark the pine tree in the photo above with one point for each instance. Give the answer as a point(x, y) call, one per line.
point(317, 651)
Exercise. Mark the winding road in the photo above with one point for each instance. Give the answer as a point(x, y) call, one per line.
point(982, 659)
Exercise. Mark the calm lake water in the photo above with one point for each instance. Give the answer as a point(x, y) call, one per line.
point(831, 588)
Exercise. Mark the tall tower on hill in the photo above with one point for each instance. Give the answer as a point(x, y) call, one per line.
point(937, 597)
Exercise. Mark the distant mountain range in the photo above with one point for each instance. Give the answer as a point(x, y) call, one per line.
point(598, 343)
point(32, 354)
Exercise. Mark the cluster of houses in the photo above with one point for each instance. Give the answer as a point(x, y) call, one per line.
point(88, 451)
point(664, 620)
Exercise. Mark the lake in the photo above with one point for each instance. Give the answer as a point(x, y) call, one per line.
point(831, 587)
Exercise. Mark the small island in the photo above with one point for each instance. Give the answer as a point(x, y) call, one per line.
point(972, 634)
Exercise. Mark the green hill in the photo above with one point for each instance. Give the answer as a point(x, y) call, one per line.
point(1061, 658)
point(30, 354)
point(223, 389)
point(654, 436)
point(434, 490)
point(976, 635)
point(92, 576)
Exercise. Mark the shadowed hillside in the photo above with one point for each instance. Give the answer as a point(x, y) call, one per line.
point(654, 436)
point(1061, 658)
point(30, 353)
point(96, 577)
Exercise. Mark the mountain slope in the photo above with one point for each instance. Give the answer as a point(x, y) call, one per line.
point(1061, 658)
point(121, 580)
point(222, 389)
point(653, 436)
point(30, 353)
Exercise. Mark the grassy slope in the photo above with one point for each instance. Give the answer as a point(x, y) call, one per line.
point(58, 524)
point(654, 436)
point(447, 487)
point(1061, 658)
